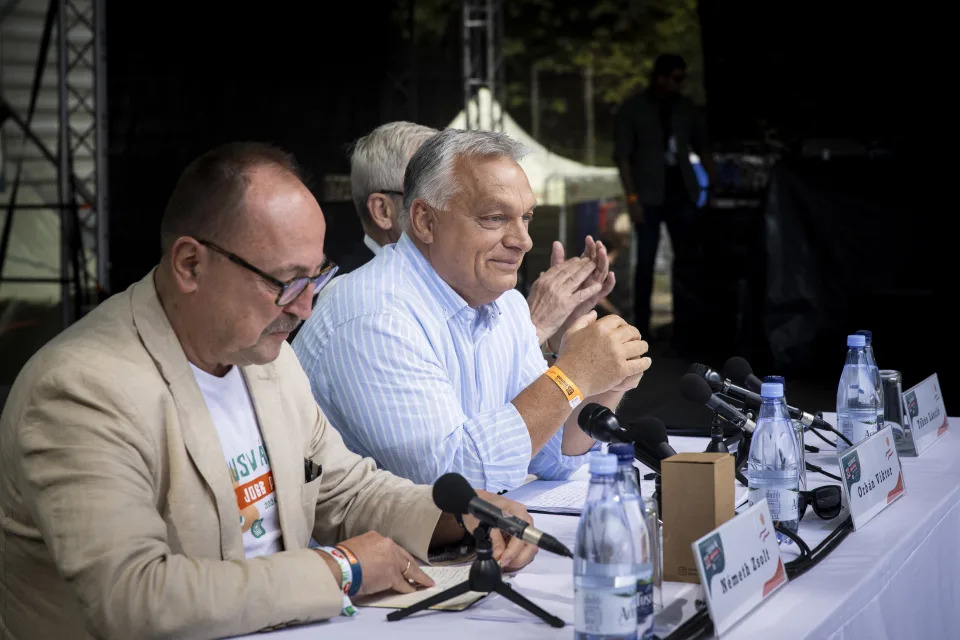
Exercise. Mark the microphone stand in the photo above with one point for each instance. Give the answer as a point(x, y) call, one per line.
point(717, 442)
point(485, 577)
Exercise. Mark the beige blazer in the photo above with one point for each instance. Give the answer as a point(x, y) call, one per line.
point(117, 512)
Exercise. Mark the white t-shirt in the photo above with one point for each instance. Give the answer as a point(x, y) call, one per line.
point(233, 416)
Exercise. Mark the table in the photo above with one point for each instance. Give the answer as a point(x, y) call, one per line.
point(898, 577)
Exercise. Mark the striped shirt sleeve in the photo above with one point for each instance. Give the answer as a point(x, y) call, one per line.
point(550, 463)
point(396, 399)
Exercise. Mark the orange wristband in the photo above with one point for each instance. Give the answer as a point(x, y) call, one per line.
point(633, 198)
point(570, 390)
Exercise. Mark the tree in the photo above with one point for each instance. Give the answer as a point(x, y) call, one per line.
point(619, 39)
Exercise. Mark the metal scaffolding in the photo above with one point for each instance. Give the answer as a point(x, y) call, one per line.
point(483, 62)
point(80, 158)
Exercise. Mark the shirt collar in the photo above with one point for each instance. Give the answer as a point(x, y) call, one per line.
point(448, 299)
point(371, 244)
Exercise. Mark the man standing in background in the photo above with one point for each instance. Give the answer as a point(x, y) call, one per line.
point(654, 135)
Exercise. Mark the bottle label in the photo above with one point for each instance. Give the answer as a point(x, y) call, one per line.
point(856, 430)
point(782, 502)
point(603, 612)
point(645, 600)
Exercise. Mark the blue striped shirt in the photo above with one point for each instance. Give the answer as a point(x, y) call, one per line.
point(415, 378)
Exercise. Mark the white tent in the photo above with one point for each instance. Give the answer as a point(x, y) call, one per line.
point(555, 180)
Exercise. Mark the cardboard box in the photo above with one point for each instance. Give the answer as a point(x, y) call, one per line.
point(697, 498)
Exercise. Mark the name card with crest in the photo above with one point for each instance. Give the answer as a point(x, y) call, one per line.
point(740, 566)
point(926, 413)
point(872, 477)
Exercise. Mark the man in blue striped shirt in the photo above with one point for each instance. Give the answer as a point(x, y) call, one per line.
point(426, 359)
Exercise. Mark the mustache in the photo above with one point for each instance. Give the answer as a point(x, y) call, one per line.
point(284, 324)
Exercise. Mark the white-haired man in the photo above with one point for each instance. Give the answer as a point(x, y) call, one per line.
point(377, 163)
point(427, 359)
point(567, 290)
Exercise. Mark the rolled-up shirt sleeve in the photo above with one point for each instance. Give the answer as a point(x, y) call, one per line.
point(395, 402)
point(550, 463)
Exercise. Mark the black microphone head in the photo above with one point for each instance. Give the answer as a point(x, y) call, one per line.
point(699, 369)
point(694, 388)
point(598, 422)
point(714, 379)
point(452, 493)
point(648, 431)
point(737, 369)
point(591, 411)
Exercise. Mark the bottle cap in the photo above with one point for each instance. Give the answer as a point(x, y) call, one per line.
point(856, 340)
point(771, 390)
point(603, 464)
point(624, 453)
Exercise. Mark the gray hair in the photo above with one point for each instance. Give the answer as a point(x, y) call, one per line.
point(430, 174)
point(378, 160)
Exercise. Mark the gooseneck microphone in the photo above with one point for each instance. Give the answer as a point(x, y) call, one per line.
point(648, 435)
point(739, 370)
point(719, 384)
point(750, 399)
point(453, 494)
point(695, 389)
point(600, 423)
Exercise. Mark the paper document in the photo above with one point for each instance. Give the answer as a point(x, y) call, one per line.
point(567, 498)
point(445, 577)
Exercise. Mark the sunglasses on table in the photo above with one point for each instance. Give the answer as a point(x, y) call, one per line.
point(826, 501)
point(289, 290)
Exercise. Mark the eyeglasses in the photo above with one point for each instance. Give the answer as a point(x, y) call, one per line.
point(389, 192)
point(289, 290)
point(826, 501)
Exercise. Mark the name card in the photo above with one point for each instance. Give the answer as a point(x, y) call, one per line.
point(740, 565)
point(926, 413)
point(872, 478)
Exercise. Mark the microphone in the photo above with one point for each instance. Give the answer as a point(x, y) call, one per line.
point(722, 385)
point(453, 494)
point(750, 399)
point(648, 435)
point(695, 389)
point(736, 367)
point(598, 422)
point(740, 371)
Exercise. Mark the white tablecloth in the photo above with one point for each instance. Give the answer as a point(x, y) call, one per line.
point(898, 577)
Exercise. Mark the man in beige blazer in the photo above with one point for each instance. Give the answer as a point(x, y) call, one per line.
point(122, 515)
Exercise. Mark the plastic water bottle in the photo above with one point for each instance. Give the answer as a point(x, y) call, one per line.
point(630, 497)
point(652, 513)
point(877, 380)
point(798, 429)
point(604, 577)
point(857, 399)
point(773, 466)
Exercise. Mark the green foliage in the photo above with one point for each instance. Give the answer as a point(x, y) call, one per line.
point(619, 39)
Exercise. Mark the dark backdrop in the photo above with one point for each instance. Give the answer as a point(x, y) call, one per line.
point(308, 76)
point(312, 77)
